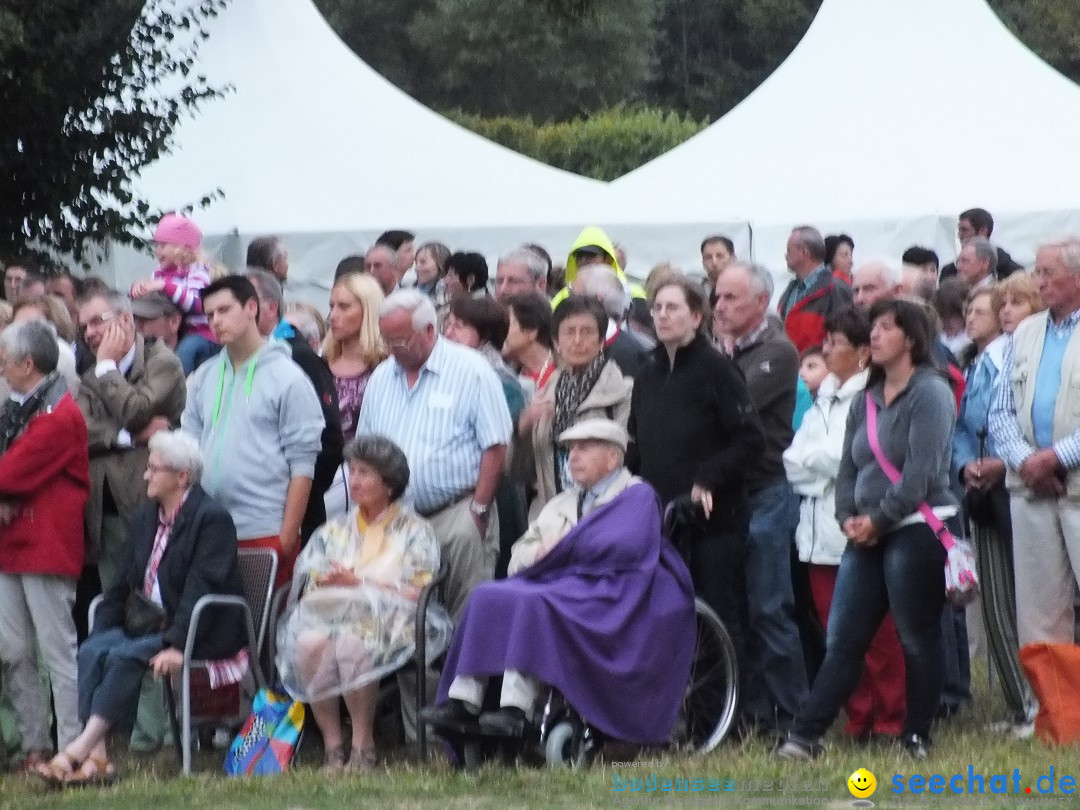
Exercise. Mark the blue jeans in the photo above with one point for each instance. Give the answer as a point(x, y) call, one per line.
point(775, 681)
point(111, 670)
point(903, 573)
point(194, 350)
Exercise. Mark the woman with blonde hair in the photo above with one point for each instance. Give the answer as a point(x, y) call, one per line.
point(352, 349)
point(50, 309)
point(1019, 297)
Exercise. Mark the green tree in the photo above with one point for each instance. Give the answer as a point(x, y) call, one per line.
point(713, 53)
point(90, 92)
point(377, 30)
point(513, 57)
point(1051, 28)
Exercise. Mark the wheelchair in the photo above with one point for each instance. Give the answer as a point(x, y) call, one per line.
point(563, 738)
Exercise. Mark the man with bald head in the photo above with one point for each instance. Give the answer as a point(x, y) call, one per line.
point(875, 281)
point(776, 682)
point(814, 293)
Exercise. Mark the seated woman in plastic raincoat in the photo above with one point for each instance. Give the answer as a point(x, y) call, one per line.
point(598, 605)
point(352, 609)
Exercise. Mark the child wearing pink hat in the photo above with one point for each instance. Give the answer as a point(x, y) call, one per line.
point(181, 276)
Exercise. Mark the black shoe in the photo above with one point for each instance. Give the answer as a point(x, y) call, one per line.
point(916, 746)
point(509, 721)
point(451, 714)
point(797, 747)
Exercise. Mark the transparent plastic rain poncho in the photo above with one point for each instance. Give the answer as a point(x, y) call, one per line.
point(334, 639)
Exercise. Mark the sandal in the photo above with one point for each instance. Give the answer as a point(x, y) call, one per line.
point(101, 773)
point(361, 760)
point(334, 758)
point(56, 771)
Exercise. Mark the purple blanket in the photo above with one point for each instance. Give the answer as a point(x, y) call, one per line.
point(607, 618)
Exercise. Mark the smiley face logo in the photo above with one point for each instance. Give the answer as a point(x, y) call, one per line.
point(862, 784)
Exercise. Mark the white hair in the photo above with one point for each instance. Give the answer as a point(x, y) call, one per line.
point(600, 282)
point(891, 270)
point(392, 255)
point(1070, 250)
point(179, 451)
point(415, 303)
point(761, 280)
point(526, 258)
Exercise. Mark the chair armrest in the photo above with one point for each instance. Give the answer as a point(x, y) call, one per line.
point(223, 600)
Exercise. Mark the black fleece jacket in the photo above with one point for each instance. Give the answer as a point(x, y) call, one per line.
point(694, 423)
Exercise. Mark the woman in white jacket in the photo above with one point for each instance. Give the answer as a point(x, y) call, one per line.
point(877, 706)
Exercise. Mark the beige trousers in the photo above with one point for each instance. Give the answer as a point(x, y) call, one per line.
point(1046, 554)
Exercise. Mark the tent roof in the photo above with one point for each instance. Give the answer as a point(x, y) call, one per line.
point(314, 140)
point(886, 109)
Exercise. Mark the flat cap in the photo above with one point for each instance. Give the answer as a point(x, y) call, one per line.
point(603, 430)
point(153, 305)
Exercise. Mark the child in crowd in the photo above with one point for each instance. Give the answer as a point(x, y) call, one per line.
point(812, 369)
point(181, 275)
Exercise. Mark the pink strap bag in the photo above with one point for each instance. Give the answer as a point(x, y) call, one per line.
point(961, 584)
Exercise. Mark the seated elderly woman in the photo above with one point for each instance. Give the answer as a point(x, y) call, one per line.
point(598, 605)
point(182, 546)
point(44, 484)
point(351, 616)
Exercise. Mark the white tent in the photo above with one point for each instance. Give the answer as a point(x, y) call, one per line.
point(887, 120)
point(315, 146)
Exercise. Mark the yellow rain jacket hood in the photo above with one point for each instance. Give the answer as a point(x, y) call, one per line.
point(593, 235)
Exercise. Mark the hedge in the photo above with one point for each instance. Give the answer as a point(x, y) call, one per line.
point(605, 145)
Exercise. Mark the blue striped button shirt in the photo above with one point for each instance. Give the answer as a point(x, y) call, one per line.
point(454, 412)
point(1009, 439)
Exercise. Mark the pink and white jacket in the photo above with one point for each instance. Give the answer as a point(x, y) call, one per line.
point(182, 286)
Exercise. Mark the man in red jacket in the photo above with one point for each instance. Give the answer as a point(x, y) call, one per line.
point(44, 484)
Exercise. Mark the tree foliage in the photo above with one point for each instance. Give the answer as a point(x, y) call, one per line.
point(605, 145)
point(91, 91)
point(513, 57)
point(1051, 28)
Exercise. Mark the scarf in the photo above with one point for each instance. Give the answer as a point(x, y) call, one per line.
point(17, 415)
point(570, 391)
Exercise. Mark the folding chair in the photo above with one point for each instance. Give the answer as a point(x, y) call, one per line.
point(258, 568)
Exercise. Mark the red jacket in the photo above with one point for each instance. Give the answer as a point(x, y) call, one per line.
point(46, 472)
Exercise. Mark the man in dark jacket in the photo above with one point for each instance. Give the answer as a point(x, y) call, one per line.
point(272, 324)
point(978, 222)
point(776, 683)
point(814, 293)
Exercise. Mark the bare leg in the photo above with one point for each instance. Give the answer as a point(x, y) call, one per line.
point(316, 667)
point(361, 703)
point(328, 718)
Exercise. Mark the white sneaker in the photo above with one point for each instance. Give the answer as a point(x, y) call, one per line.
point(1024, 731)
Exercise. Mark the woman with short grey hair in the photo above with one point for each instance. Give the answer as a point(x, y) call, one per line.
point(44, 484)
point(179, 452)
point(351, 614)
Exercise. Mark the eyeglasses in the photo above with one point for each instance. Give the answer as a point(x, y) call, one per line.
point(393, 345)
point(154, 469)
point(98, 320)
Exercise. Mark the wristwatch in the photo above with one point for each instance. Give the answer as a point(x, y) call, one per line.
point(479, 509)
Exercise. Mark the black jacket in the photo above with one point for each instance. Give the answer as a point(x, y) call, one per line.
point(627, 352)
point(771, 367)
point(329, 458)
point(694, 423)
point(1006, 266)
point(200, 558)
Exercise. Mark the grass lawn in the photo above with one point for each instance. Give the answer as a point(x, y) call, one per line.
point(153, 783)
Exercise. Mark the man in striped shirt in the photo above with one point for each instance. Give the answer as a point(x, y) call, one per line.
point(443, 405)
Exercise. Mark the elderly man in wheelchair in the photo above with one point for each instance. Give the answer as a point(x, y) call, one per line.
point(598, 606)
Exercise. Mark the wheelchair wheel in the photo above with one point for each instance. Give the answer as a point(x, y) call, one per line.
point(712, 693)
point(565, 746)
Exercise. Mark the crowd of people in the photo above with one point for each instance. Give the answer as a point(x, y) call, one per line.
point(532, 426)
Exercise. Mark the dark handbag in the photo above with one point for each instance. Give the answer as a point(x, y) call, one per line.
point(142, 615)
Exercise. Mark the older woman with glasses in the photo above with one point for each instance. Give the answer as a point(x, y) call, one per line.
point(182, 547)
point(352, 609)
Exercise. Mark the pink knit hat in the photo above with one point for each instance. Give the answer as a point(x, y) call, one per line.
point(174, 229)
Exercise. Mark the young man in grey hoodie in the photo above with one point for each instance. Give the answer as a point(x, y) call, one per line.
point(258, 422)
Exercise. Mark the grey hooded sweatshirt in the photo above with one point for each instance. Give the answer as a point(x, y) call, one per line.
point(258, 428)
